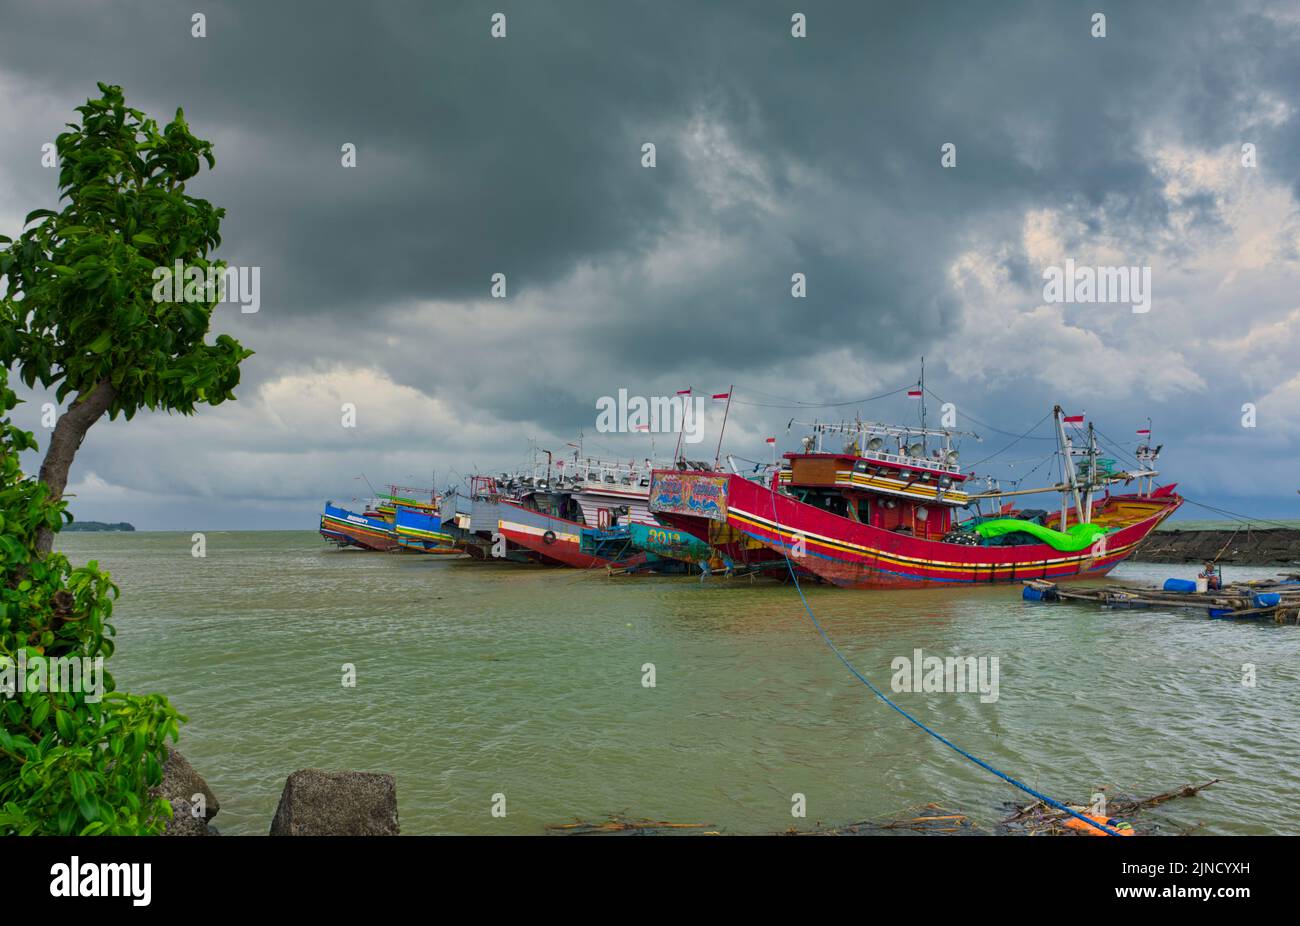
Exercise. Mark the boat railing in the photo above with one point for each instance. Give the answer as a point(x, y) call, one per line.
point(899, 459)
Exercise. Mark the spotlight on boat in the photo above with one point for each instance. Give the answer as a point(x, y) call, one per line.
point(915, 450)
point(875, 443)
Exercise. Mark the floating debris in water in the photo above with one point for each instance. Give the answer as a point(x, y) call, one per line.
point(621, 825)
point(1033, 819)
point(1038, 819)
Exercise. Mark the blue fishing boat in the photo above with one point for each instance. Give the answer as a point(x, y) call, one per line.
point(419, 530)
point(368, 531)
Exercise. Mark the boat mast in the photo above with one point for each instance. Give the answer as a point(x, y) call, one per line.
point(1151, 480)
point(1085, 516)
point(1066, 449)
point(677, 451)
point(925, 450)
point(723, 430)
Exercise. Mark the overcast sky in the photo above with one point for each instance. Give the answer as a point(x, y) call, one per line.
point(775, 155)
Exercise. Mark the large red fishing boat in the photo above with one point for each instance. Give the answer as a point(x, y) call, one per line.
point(882, 512)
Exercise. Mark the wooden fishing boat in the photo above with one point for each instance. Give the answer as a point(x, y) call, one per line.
point(670, 543)
point(418, 529)
point(550, 524)
point(391, 521)
point(471, 520)
point(610, 492)
point(368, 531)
point(869, 516)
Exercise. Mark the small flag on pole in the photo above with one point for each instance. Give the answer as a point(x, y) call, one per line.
point(771, 440)
point(914, 393)
point(683, 391)
point(1073, 419)
point(722, 396)
point(1144, 430)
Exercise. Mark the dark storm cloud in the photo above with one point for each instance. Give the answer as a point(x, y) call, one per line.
point(521, 155)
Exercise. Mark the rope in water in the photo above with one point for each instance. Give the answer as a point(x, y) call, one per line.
point(1051, 802)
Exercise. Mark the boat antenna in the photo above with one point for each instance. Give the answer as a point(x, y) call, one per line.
point(723, 430)
point(677, 451)
point(924, 448)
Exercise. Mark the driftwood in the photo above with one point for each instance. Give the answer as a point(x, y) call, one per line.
point(1039, 819)
point(618, 824)
point(1033, 819)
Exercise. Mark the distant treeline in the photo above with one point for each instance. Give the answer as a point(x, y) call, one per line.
point(97, 526)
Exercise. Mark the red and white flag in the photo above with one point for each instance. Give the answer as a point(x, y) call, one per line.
point(722, 396)
point(683, 391)
point(1073, 419)
point(914, 393)
point(771, 440)
point(1144, 430)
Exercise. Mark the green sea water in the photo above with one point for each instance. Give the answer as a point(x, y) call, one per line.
point(481, 679)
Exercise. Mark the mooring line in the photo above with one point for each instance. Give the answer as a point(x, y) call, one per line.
point(1051, 802)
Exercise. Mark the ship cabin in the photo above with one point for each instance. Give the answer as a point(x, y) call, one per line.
point(890, 478)
point(539, 492)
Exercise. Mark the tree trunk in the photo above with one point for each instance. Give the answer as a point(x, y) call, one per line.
point(69, 431)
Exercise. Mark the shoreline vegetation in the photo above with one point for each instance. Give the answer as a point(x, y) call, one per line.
point(84, 526)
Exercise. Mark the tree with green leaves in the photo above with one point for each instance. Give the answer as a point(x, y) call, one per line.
point(79, 312)
point(71, 761)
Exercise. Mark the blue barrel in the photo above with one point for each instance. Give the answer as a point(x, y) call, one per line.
point(1220, 612)
point(1031, 594)
point(1265, 599)
point(1180, 585)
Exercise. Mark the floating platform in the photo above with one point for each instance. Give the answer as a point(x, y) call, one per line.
point(1261, 599)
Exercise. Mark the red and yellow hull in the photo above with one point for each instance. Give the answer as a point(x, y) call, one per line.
point(851, 554)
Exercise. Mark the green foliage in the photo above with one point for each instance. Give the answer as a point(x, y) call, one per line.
point(67, 764)
point(79, 307)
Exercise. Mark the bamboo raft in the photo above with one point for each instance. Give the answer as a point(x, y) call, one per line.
point(1252, 600)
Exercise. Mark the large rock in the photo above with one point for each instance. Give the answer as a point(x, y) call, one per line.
point(317, 803)
point(180, 785)
point(185, 822)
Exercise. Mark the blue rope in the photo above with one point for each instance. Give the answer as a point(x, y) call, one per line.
point(1052, 802)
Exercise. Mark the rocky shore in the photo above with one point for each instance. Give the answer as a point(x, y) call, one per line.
point(314, 802)
point(1244, 547)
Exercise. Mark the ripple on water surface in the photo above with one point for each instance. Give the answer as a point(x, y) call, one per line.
point(476, 679)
